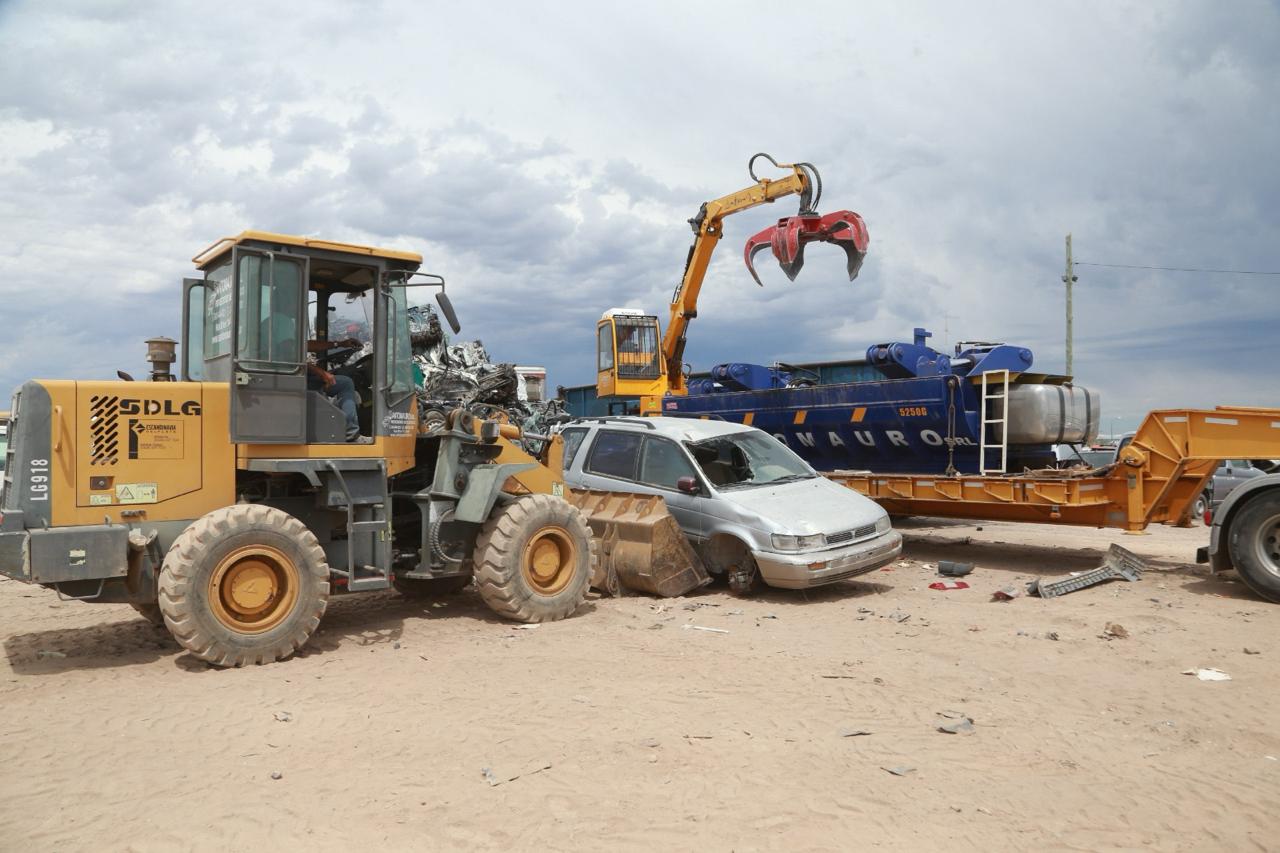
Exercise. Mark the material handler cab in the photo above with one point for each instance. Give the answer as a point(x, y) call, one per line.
point(633, 356)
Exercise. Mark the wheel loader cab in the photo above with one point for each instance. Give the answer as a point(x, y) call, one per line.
point(270, 309)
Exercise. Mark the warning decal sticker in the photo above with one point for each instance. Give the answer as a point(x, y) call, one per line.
point(136, 493)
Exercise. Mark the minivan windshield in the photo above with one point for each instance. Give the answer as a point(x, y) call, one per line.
point(747, 459)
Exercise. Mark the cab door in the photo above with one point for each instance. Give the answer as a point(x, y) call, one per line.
point(268, 347)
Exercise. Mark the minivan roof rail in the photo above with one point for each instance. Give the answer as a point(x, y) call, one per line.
point(700, 416)
point(630, 419)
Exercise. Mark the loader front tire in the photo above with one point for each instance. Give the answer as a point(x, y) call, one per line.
point(533, 559)
point(244, 584)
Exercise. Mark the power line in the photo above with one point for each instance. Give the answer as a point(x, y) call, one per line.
point(1177, 269)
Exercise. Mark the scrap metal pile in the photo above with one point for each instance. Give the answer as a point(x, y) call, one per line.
point(462, 375)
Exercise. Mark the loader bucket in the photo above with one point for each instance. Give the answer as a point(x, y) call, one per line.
point(641, 547)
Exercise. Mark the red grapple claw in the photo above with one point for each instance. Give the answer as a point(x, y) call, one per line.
point(788, 238)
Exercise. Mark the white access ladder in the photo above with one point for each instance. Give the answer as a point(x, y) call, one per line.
point(995, 387)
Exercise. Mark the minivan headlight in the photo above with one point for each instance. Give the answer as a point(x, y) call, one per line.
point(785, 542)
point(883, 525)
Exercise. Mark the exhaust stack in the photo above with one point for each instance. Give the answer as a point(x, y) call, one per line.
point(161, 354)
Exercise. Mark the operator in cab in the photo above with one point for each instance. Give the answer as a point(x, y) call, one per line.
point(340, 389)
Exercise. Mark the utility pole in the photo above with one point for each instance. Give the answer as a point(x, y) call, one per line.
point(1069, 278)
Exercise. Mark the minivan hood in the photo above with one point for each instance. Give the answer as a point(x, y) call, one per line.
point(805, 506)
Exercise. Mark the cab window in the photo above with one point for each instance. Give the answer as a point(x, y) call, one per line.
point(637, 339)
point(399, 353)
point(193, 336)
point(605, 347)
point(268, 313)
point(217, 311)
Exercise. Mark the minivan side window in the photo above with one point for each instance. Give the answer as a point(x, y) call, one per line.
point(614, 454)
point(663, 463)
point(572, 441)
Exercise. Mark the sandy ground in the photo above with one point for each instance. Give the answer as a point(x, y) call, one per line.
point(623, 728)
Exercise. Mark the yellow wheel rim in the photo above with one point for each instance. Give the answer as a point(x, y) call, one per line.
point(549, 560)
point(253, 589)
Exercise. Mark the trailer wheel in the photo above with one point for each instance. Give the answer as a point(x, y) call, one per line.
point(430, 587)
point(533, 559)
point(244, 584)
point(149, 611)
point(1254, 542)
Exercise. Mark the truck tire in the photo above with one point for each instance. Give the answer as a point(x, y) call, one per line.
point(244, 584)
point(533, 559)
point(430, 587)
point(149, 611)
point(1254, 542)
point(1200, 506)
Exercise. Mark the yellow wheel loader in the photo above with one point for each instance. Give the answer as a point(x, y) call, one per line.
point(229, 502)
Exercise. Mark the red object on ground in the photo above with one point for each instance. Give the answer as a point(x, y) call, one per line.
point(949, 585)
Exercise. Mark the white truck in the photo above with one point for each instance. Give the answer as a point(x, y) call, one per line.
point(1245, 536)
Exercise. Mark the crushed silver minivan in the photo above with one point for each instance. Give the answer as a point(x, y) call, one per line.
point(753, 509)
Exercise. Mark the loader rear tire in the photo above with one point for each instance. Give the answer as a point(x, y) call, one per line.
point(149, 611)
point(533, 559)
point(244, 584)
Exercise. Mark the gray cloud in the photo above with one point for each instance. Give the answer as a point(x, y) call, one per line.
point(545, 162)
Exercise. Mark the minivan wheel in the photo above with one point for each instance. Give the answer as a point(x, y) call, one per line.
point(744, 575)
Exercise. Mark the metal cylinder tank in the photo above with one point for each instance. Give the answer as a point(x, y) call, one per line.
point(1053, 414)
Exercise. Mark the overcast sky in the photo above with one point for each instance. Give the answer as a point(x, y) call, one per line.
point(544, 159)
